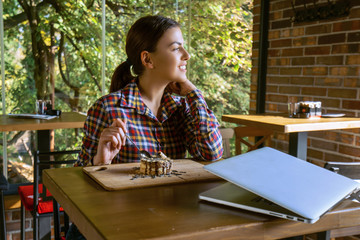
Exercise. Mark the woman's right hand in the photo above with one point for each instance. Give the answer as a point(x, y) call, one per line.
point(110, 142)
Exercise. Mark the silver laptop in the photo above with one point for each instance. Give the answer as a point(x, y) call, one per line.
point(275, 183)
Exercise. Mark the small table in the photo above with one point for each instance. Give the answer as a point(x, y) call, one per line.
point(66, 120)
point(43, 127)
point(173, 212)
point(298, 128)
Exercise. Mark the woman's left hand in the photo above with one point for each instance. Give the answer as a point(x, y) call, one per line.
point(181, 88)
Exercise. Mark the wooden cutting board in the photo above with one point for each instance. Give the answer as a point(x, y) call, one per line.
point(123, 176)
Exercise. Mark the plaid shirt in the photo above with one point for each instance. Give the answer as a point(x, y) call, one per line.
point(184, 124)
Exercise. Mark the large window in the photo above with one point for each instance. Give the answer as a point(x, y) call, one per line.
point(53, 50)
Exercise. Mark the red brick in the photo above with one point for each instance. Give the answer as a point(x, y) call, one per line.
point(346, 26)
point(349, 150)
point(323, 50)
point(282, 108)
point(279, 5)
point(344, 71)
point(353, 59)
point(252, 105)
point(330, 60)
point(332, 38)
point(349, 104)
point(299, 31)
point(275, 15)
point(290, 71)
point(342, 93)
point(313, 91)
point(280, 24)
point(274, 52)
point(256, 10)
point(272, 107)
point(304, 41)
point(331, 146)
point(314, 153)
point(329, 102)
point(272, 89)
point(274, 34)
point(315, 71)
point(351, 82)
point(273, 70)
point(292, 52)
point(346, 48)
point(335, 157)
point(303, 61)
point(354, 37)
point(328, 81)
point(318, 29)
point(328, 135)
point(256, 37)
point(277, 98)
point(289, 90)
point(278, 80)
point(354, 13)
point(302, 80)
point(280, 43)
point(253, 87)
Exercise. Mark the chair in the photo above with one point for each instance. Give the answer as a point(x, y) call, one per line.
point(350, 170)
point(244, 135)
point(226, 134)
point(37, 199)
point(4, 185)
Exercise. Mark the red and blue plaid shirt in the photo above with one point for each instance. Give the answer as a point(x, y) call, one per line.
point(185, 124)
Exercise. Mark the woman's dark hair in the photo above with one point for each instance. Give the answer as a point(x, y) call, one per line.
point(142, 36)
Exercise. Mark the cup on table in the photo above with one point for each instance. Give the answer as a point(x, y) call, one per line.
point(292, 107)
point(42, 106)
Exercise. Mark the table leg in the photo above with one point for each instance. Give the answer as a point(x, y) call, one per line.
point(44, 145)
point(294, 238)
point(323, 235)
point(43, 140)
point(298, 145)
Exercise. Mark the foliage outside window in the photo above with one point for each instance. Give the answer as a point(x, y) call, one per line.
point(53, 51)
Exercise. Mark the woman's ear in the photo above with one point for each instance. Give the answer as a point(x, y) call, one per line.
point(146, 59)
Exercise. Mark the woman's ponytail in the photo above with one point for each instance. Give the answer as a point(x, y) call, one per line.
point(121, 77)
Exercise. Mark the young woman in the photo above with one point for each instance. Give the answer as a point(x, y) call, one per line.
point(142, 103)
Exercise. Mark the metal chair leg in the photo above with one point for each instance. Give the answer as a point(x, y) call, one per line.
point(35, 227)
point(66, 223)
point(2, 212)
point(57, 227)
point(22, 224)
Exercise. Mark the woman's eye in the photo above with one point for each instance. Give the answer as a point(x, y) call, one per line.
point(176, 49)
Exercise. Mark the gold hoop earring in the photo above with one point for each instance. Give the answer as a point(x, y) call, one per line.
point(132, 71)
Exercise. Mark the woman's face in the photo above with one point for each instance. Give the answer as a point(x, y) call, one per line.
point(170, 57)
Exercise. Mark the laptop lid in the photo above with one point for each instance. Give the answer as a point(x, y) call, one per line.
point(296, 185)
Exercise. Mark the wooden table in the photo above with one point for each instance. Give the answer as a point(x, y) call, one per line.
point(173, 212)
point(66, 120)
point(298, 128)
point(43, 127)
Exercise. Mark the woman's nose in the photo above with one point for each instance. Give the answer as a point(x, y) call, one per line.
point(186, 55)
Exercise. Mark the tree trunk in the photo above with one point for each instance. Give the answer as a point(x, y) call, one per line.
point(39, 49)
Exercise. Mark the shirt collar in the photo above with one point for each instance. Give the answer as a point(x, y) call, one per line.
point(131, 98)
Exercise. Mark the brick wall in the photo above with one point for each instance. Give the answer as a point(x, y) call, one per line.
point(13, 217)
point(315, 61)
